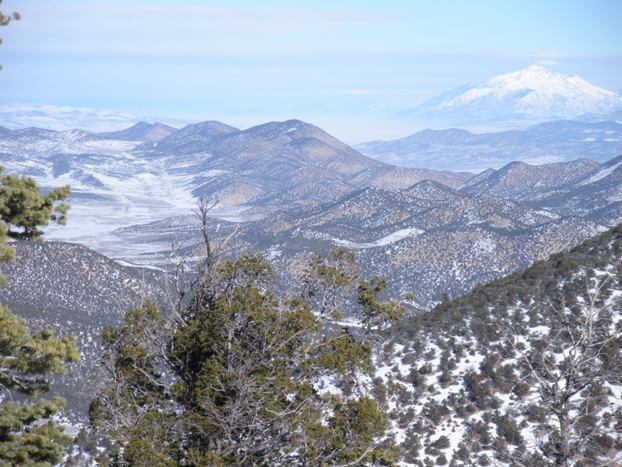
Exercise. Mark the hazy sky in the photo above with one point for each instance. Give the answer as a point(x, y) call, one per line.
point(350, 67)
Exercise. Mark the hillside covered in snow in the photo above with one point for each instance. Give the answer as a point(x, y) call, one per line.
point(486, 379)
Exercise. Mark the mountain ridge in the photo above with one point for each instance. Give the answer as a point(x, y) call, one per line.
point(141, 131)
point(456, 149)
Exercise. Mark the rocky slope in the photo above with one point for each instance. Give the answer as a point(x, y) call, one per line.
point(428, 239)
point(573, 189)
point(518, 180)
point(75, 292)
point(126, 177)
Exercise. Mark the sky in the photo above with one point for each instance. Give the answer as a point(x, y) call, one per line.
point(350, 67)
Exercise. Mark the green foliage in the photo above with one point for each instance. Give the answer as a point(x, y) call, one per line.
point(152, 442)
point(351, 432)
point(233, 378)
point(508, 430)
point(442, 443)
point(25, 360)
point(24, 207)
point(375, 311)
point(6, 252)
point(26, 443)
point(344, 354)
point(139, 412)
point(27, 436)
point(327, 277)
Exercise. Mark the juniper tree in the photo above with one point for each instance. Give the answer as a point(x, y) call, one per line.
point(24, 209)
point(572, 370)
point(326, 278)
point(6, 252)
point(242, 375)
point(28, 436)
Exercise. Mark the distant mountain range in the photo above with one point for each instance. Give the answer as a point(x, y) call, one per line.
point(291, 188)
point(152, 171)
point(429, 238)
point(534, 94)
point(456, 149)
point(288, 189)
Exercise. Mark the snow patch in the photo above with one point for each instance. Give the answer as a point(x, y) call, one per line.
point(601, 174)
point(386, 240)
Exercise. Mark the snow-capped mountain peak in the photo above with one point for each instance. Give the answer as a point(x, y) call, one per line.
point(533, 93)
point(535, 84)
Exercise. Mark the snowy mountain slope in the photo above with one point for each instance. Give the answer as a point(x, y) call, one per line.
point(485, 210)
point(428, 239)
point(75, 292)
point(432, 193)
point(30, 143)
point(120, 182)
point(192, 138)
point(476, 179)
point(518, 180)
point(605, 171)
point(597, 194)
point(289, 143)
point(578, 189)
point(460, 393)
point(111, 184)
point(530, 94)
point(389, 176)
point(361, 216)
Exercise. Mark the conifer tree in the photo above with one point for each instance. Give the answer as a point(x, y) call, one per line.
point(243, 375)
point(28, 437)
point(6, 252)
point(25, 209)
point(572, 370)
